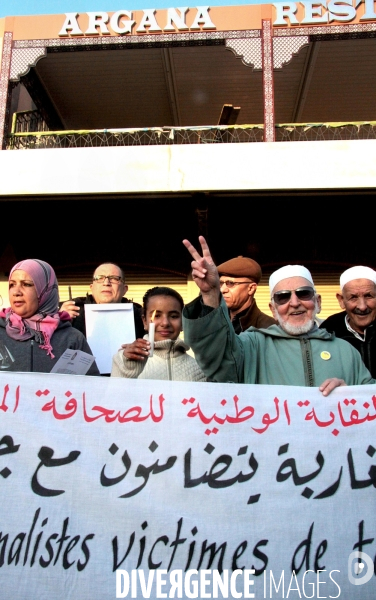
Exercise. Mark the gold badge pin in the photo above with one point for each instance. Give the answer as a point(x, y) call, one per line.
point(325, 355)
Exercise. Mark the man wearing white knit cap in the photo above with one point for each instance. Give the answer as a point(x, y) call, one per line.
point(294, 352)
point(357, 324)
point(298, 320)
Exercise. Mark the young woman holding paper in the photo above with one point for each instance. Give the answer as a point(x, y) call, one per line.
point(33, 333)
point(161, 354)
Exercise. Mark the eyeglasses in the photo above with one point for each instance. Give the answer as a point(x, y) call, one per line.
point(302, 293)
point(111, 278)
point(230, 284)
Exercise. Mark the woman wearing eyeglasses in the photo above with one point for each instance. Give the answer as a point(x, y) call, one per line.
point(166, 357)
point(33, 333)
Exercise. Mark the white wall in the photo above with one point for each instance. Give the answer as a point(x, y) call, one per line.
point(207, 167)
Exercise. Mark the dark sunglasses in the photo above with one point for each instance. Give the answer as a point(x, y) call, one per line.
point(302, 293)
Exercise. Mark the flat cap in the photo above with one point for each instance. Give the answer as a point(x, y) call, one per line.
point(241, 266)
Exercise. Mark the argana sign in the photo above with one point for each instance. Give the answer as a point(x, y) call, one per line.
point(121, 22)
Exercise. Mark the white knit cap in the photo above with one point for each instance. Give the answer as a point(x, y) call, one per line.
point(357, 273)
point(286, 272)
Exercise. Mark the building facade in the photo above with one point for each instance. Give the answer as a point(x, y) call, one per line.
point(124, 132)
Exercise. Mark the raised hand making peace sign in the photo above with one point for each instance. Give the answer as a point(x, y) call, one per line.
point(204, 273)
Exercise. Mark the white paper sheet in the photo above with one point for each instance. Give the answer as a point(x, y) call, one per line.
point(73, 362)
point(108, 326)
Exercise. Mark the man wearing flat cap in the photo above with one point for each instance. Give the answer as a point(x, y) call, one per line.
point(292, 352)
point(357, 323)
point(238, 279)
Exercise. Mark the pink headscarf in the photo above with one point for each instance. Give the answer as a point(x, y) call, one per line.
point(42, 325)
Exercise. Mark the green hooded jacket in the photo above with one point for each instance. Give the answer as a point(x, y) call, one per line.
point(268, 356)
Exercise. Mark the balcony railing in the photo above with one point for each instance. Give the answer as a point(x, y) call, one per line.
point(29, 132)
point(26, 121)
point(153, 136)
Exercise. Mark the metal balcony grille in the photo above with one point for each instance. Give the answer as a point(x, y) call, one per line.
point(29, 132)
point(153, 136)
point(319, 132)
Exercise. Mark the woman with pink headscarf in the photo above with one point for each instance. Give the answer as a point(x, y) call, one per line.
point(33, 333)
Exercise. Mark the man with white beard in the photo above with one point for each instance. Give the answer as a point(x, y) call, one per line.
point(293, 352)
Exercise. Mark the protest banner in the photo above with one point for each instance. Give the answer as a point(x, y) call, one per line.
point(125, 488)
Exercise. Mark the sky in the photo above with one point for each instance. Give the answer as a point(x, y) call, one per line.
point(47, 7)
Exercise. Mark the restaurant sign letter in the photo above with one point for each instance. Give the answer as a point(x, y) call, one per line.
point(122, 22)
point(319, 12)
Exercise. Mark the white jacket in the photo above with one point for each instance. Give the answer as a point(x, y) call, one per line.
point(170, 361)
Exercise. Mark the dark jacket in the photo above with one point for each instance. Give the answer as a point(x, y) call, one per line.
point(336, 324)
point(79, 322)
point(27, 356)
point(251, 317)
